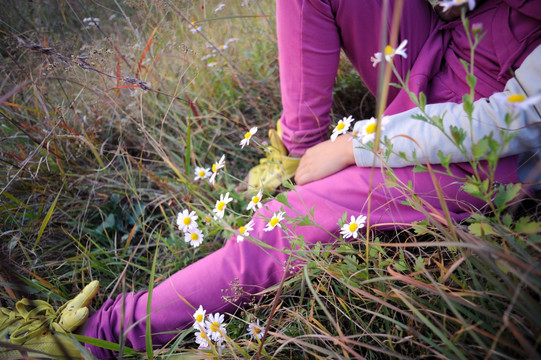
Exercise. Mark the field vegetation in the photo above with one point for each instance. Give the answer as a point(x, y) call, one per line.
point(106, 109)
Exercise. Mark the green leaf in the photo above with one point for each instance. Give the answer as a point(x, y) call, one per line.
point(422, 100)
point(506, 194)
point(282, 198)
point(472, 80)
point(458, 134)
point(467, 104)
point(472, 189)
point(480, 148)
point(47, 218)
point(481, 229)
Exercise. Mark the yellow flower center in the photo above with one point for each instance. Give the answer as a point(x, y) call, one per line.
point(274, 221)
point(220, 206)
point(214, 167)
point(208, 219)
point(255, 199)
point(370, 129)
point(248, 135)
point(256, 330)
point(187, 221)
point(194, 236)
point(340, 126)
point(214, 326)
point(389, 50)
point(242, 229)
point(199, 318)
point(353, 227)
point(514, 98)
point(202, 173)
point(203, 335)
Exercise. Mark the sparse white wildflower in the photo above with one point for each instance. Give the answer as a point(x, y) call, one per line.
point(517, 101)
point(221, 205)
point(369, 127)
point(186, 220)
point(342, 127)
point(216, 327)
point(247, 137)
point(255, 330)
point(255, 203)
point(390, 53)
point(245, 231)
point(351, 229)
point(199, 317)
point(201, 173)
point(194, 236)
point(275, 221)
point(216, 169)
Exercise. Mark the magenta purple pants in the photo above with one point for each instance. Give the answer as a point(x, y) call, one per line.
point(310, 36)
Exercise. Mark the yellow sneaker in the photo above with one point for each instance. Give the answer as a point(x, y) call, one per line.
point(277, 167)
point(36, 330)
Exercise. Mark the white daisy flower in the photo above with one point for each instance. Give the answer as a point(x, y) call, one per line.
point(247, 137)
point(194, 237)
point(275, 221)
point(255, 330)
point(517, 101)
point(255, 203)
point(202, 339)
point(342, 127)
point(216, 169)
point(216, 327)
point(208, 219)
point(221, 205)
point(186, 220)
point(351, 229)
point(245, 231)
point(219, 8)
point(390, 53)
point(199, 317)
point(194, 28)
point(368, 129)
point(448, 4)
point(201, 173)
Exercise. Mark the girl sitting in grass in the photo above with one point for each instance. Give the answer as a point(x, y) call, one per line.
point(335, 177)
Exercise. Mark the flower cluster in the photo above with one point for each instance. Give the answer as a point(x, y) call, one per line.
point(367, 131)
point(202, 173)
point(209, 328)
point(187, 223)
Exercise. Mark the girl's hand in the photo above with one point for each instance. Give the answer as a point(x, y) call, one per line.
point(325, 159)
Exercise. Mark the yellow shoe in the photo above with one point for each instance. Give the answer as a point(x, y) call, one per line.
point(74, 312)
point(35, 330)
point(277, 167)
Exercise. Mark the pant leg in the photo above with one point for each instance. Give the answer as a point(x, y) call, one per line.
point(255, 267)
point(310, 36)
